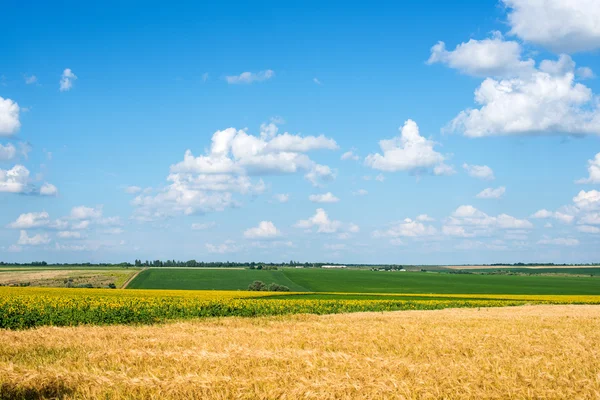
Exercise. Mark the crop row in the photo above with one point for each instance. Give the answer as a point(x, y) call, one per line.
point(21, 312)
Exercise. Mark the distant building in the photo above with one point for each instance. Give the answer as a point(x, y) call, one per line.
point(333, 266)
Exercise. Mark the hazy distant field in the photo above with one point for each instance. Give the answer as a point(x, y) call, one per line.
point(365, 281)
point(530, 352)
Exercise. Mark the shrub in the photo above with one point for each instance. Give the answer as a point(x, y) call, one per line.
point(257, 286)
point(274, 287)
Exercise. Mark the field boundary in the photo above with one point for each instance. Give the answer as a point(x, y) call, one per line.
point(128, 281)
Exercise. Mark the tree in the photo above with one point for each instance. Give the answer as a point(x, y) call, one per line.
point(257, 286)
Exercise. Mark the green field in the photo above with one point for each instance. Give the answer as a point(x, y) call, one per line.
point(209, 279)
point(365, 281)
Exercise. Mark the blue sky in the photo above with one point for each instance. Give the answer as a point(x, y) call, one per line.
point(335, 132)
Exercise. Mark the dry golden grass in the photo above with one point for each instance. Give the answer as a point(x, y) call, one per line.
point(518, 352)
point(56, 278)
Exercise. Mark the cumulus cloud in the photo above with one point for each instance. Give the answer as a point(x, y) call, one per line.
point(588, 229)
point(360, 192)
point(235, 159)
point(83, 212)
point(66, 80)
point(593, 170)
point(250, 77)
point(31, 220)
point(491, 193)
point(15, 180)
point(264, 230)
point(424, 218)
point(468, 221)
point(323, 198)
point(560, 25)
point(479, 171)
point(559, 216)
point(36, 240)
point(7, 152)
point(349, 155)
point(48, 189)
point(408, 152)
point(546, 101)
point(324, 224)
point(9, 117)
point(488, 57)
point(406, 228)
point(587, 200)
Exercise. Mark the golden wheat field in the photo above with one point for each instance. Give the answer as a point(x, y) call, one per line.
point(528, 352)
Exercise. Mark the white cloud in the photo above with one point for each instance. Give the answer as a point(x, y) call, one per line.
point(381, 178)
point(71, 247)
point(83, 212)
point(585, 73)
point(349, 155)
point(444, 169)
point(66, 80)
point(207, 182)
point(325, 225)
point(587, 200)
point(424, 218)
point(559, 216)
point(35, 240)
point(491, 193)
point(203, 226)
point(468, 221)
point(323, 198)
point(282, 197)
point(250, 77)
point(317, 81)
point(543, 102)
point(406, 228)
point(9, 117)
point(593, 170)
point(80, 225)
point(13, 248)
point(360, 192)
point(31, 220)
point(488, 57)
point(48, 189)
point(229, 246)
point(31, 79)
point(133, 189)
point(409, 152)
point(15, 180)
point(559, 25)
point(588, 229)
point(479, 171)
point(559, 241)
point(264, 230)
point(69, 235)
point(7, 152)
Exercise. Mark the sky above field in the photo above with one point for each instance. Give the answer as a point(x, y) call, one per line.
point(383, 132)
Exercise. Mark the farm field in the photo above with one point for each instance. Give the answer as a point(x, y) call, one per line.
point(365, 281)
point(523, 352)
point(61, 277)
point(23, 308)
point(209, 279)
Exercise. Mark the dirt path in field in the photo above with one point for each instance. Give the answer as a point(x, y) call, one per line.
point(128, 281)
